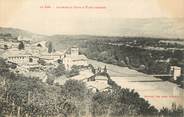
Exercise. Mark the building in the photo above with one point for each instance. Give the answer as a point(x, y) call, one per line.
point(31, 54)
point(52, 57)
point(175, 72)
point(20, 57)
point(74, 58)
point(9, 44)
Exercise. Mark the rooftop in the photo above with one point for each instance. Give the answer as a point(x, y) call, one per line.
point(77, 57)
point(15, 52)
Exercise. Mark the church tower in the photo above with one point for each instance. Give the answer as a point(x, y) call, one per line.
point(74, 51)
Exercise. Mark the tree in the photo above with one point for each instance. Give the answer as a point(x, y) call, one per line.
point(39, 45)
point(21, 45)
point(42, 62)
point(76, 89)
point(60, 70)
point(103, 56)
point(127, 61)
point(5, 47)
point(73, 72)
point(92, 68)
point(4, 68)
point(50, 47)
point(60, 61)
point(105, 69)
point(50, 81)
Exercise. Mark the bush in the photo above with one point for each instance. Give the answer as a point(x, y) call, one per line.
point(58, 71)
point(21, 46)
point(121, 102)
point(92, 68)
point(75, 88)
point(42, 62)
point(50, 47)
point(5, 47)
point(73, 72)
point(60, 61)
point(50, 81)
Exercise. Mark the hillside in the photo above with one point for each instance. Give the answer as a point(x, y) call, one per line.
point(61, 41)
point(17, 32)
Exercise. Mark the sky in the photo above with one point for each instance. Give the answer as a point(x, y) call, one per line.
point(108, 20)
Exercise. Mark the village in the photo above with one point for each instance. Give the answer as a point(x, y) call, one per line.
point(35, 58)
point(39, 59)
point(28, 55)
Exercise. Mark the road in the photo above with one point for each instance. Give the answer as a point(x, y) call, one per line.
point(159, 93)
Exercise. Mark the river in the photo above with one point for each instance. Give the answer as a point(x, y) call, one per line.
point(157, 92)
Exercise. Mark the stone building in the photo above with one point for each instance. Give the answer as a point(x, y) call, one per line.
point(74, 58)
point(20, 57)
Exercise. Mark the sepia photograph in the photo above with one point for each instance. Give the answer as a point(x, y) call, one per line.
point(91, 58)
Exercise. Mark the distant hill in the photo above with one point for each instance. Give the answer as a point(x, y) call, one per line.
point(61, 41)
point(17, 32)
point(154, 27)
point(144, 27)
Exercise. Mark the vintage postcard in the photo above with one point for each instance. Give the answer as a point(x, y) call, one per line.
point(91, 58)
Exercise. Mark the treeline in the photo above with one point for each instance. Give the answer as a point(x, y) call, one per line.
point(145, 42)
point(29, 97)
point(149, 61)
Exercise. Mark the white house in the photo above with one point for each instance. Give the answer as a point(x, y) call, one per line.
point(74, 58)
point(175, 72)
